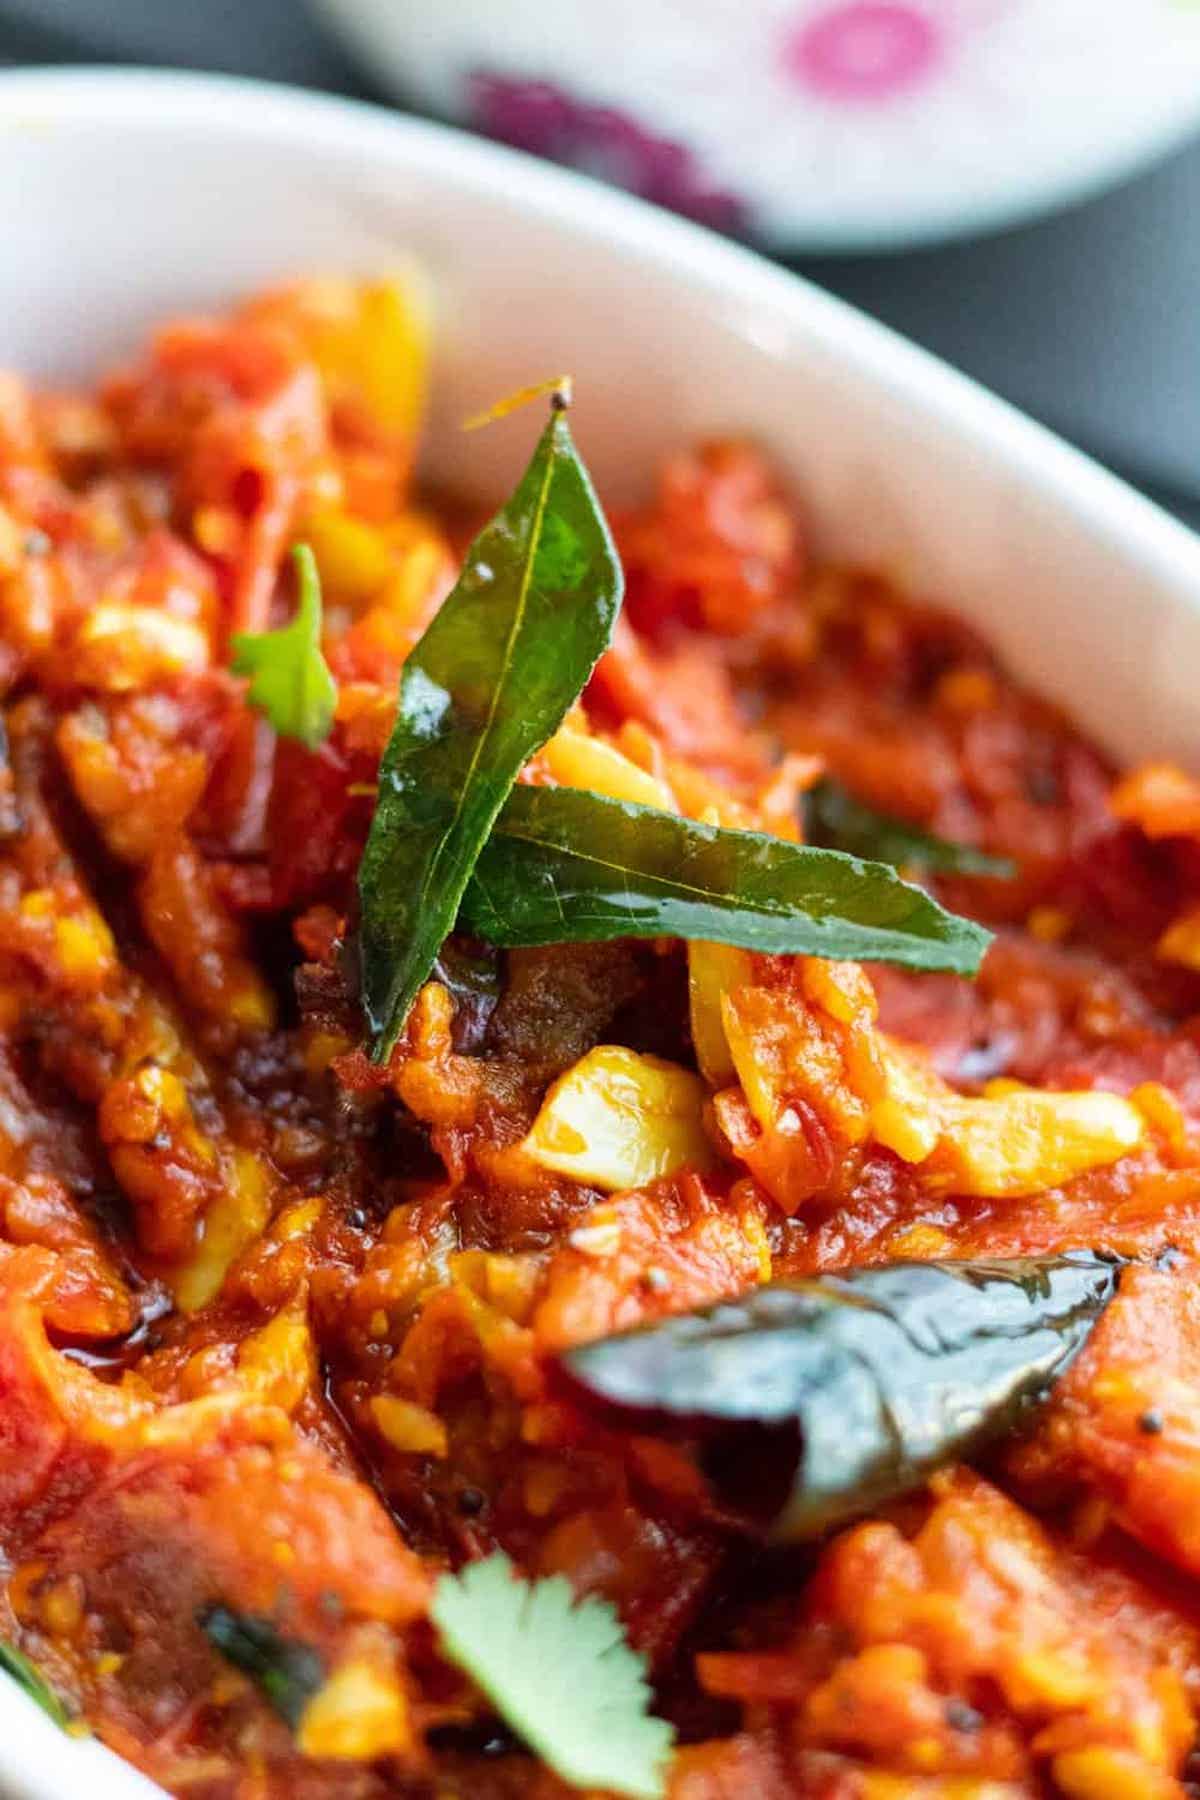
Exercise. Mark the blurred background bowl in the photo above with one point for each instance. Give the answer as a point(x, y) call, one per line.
point(816, 124)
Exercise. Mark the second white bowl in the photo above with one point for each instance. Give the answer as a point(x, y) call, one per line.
point(827, 124)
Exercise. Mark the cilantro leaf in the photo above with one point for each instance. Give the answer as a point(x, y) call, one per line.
point(289, 677)
point(560, 1673)
point(29, 1677)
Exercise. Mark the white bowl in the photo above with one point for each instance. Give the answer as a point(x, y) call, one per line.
point(125, 197)
point(828, 124)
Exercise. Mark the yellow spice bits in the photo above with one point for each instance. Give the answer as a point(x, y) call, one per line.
point(1007, 1141)
point(714, 970)
point(576, 759)
point(72, 934)
point(12, 543)
point(407, 1427)
point(1103, 1772)
point(279, 1363)
point(967, 689)
point(354, 558)
point(618, 1120)
point(1049, 924)
point(1159, 797)
point(120, 648)
point(62, 1607)
point(361, 1713)
point(1162, 1112)
point(234, 1218)
point(1026, 1141)
point(1180, 942)
point(816, 1038)
point(135, 778)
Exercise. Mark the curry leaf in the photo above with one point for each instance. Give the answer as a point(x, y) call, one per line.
point(885, 1372)
point(491, 679)
point(563, 865)
point(837, 819)
point(33, 1682)
point(288, 1673)
point(559, 1671)
point(289, 677)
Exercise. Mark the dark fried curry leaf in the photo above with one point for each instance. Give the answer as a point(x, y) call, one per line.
point(287, 1672)
point(491, 679)
point(28, 1677)
point(835, 818)
point(504, 659)
point(885, 1372)
point(563, 865)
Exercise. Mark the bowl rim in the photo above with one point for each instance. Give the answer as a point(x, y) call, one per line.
point(122, 97)
point(245, 111)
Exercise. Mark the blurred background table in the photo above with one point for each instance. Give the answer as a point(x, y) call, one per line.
point(1090, 319)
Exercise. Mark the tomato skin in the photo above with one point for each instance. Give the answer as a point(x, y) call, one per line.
point(315, 826)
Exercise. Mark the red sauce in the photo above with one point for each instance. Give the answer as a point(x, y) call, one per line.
point(275, 1325)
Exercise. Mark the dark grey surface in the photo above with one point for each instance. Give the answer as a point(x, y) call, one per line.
point(275, 38)
point(1090, 320)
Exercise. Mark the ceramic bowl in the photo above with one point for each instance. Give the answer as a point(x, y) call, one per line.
point(126, 197)
point(822, 124)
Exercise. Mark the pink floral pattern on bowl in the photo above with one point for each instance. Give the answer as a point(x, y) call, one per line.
point(844, 55)
point(864, 51)
point(600, 140)
point(828, 124)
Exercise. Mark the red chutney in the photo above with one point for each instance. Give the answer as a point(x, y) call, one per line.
point(276, 1326)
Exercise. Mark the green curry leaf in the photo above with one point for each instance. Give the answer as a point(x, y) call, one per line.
point(491, 679)
point(287, 1672)
point(563, 865)
point(29, 1678)
point(885, 1373)
point(289, 678)
point(837, 819)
